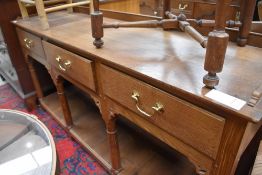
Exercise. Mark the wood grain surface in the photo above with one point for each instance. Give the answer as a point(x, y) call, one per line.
point(169, 60)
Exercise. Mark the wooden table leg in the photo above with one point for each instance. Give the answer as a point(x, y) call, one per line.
point(97, 25)
point(30, 102)
point(246, 17)
point(35, 80)
point(216, 46)
point(113, 143)
point(166, 7)
point(63, 101)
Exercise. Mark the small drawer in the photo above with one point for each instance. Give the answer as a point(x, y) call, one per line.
point(192, 125)
point(70, 64)
point(31, 42)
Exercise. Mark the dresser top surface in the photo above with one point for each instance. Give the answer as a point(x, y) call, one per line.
point(169, 60)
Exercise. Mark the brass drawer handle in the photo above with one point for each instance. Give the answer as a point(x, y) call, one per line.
point(182, 7)
point(158, 107)
point(28, 43)
point(63, 65)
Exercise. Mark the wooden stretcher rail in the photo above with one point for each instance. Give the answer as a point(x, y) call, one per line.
point(61, 7)
point(28, 2)
point(31, 2)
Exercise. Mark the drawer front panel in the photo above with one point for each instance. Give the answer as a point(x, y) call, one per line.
point(31, 42)
point(207, 11)
point(193, 125)
point(70, 64)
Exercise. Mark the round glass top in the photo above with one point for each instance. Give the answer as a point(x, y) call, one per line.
point(26, 145)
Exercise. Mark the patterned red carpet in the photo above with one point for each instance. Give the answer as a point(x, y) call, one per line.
point(73, 159)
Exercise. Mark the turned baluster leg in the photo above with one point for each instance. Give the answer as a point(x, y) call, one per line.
point(113, 143)
point(246, 17)
point(166, 7)
point(216, 46)
point(63, 101)
point(97, 25)
point(40, 8)
point(35, 80)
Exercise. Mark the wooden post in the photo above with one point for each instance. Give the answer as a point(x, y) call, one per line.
point(246, 17)
point(113, 143)
point(166, 7)
point(259, 5)
point(63, 101)
point(35, 80)
point(97, 25)
point(42, 14)
point(216, 46)
point(91, 7)
point(70, 9)
point(23, 9)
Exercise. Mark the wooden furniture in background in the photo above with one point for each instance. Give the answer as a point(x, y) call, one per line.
point(247, 9)
point(15, 53)
point(215, 45)
point(42, 11)
point(259, 5)
point(254, 38)
point(163, 72)
point(197, 9)
point(131, 6)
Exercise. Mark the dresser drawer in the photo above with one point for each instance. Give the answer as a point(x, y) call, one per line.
point(31, 43)
point(207, 11)
point(70, 64)
point(192, 125)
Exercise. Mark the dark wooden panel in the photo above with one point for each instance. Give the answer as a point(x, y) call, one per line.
point(9, 11)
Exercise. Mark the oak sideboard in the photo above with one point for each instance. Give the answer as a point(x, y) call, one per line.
point(152, 80)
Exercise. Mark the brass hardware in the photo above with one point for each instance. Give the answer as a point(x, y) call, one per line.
point(63, 65)
point(158, 107)
point(28, 43)
point(180, 7)
point(58, 59)
point(237, 16)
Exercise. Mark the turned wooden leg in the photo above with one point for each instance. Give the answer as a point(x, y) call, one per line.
point(64, 102)
point(35, 80)
point(97, 25)
point(113, 143)
point(216, 46)
point(246, 17)
point(215, 56)
point(42, 14)
point(166, 7)
point(30, 102)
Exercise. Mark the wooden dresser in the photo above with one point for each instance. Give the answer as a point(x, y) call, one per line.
point(198, 9)
point(152, 80)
